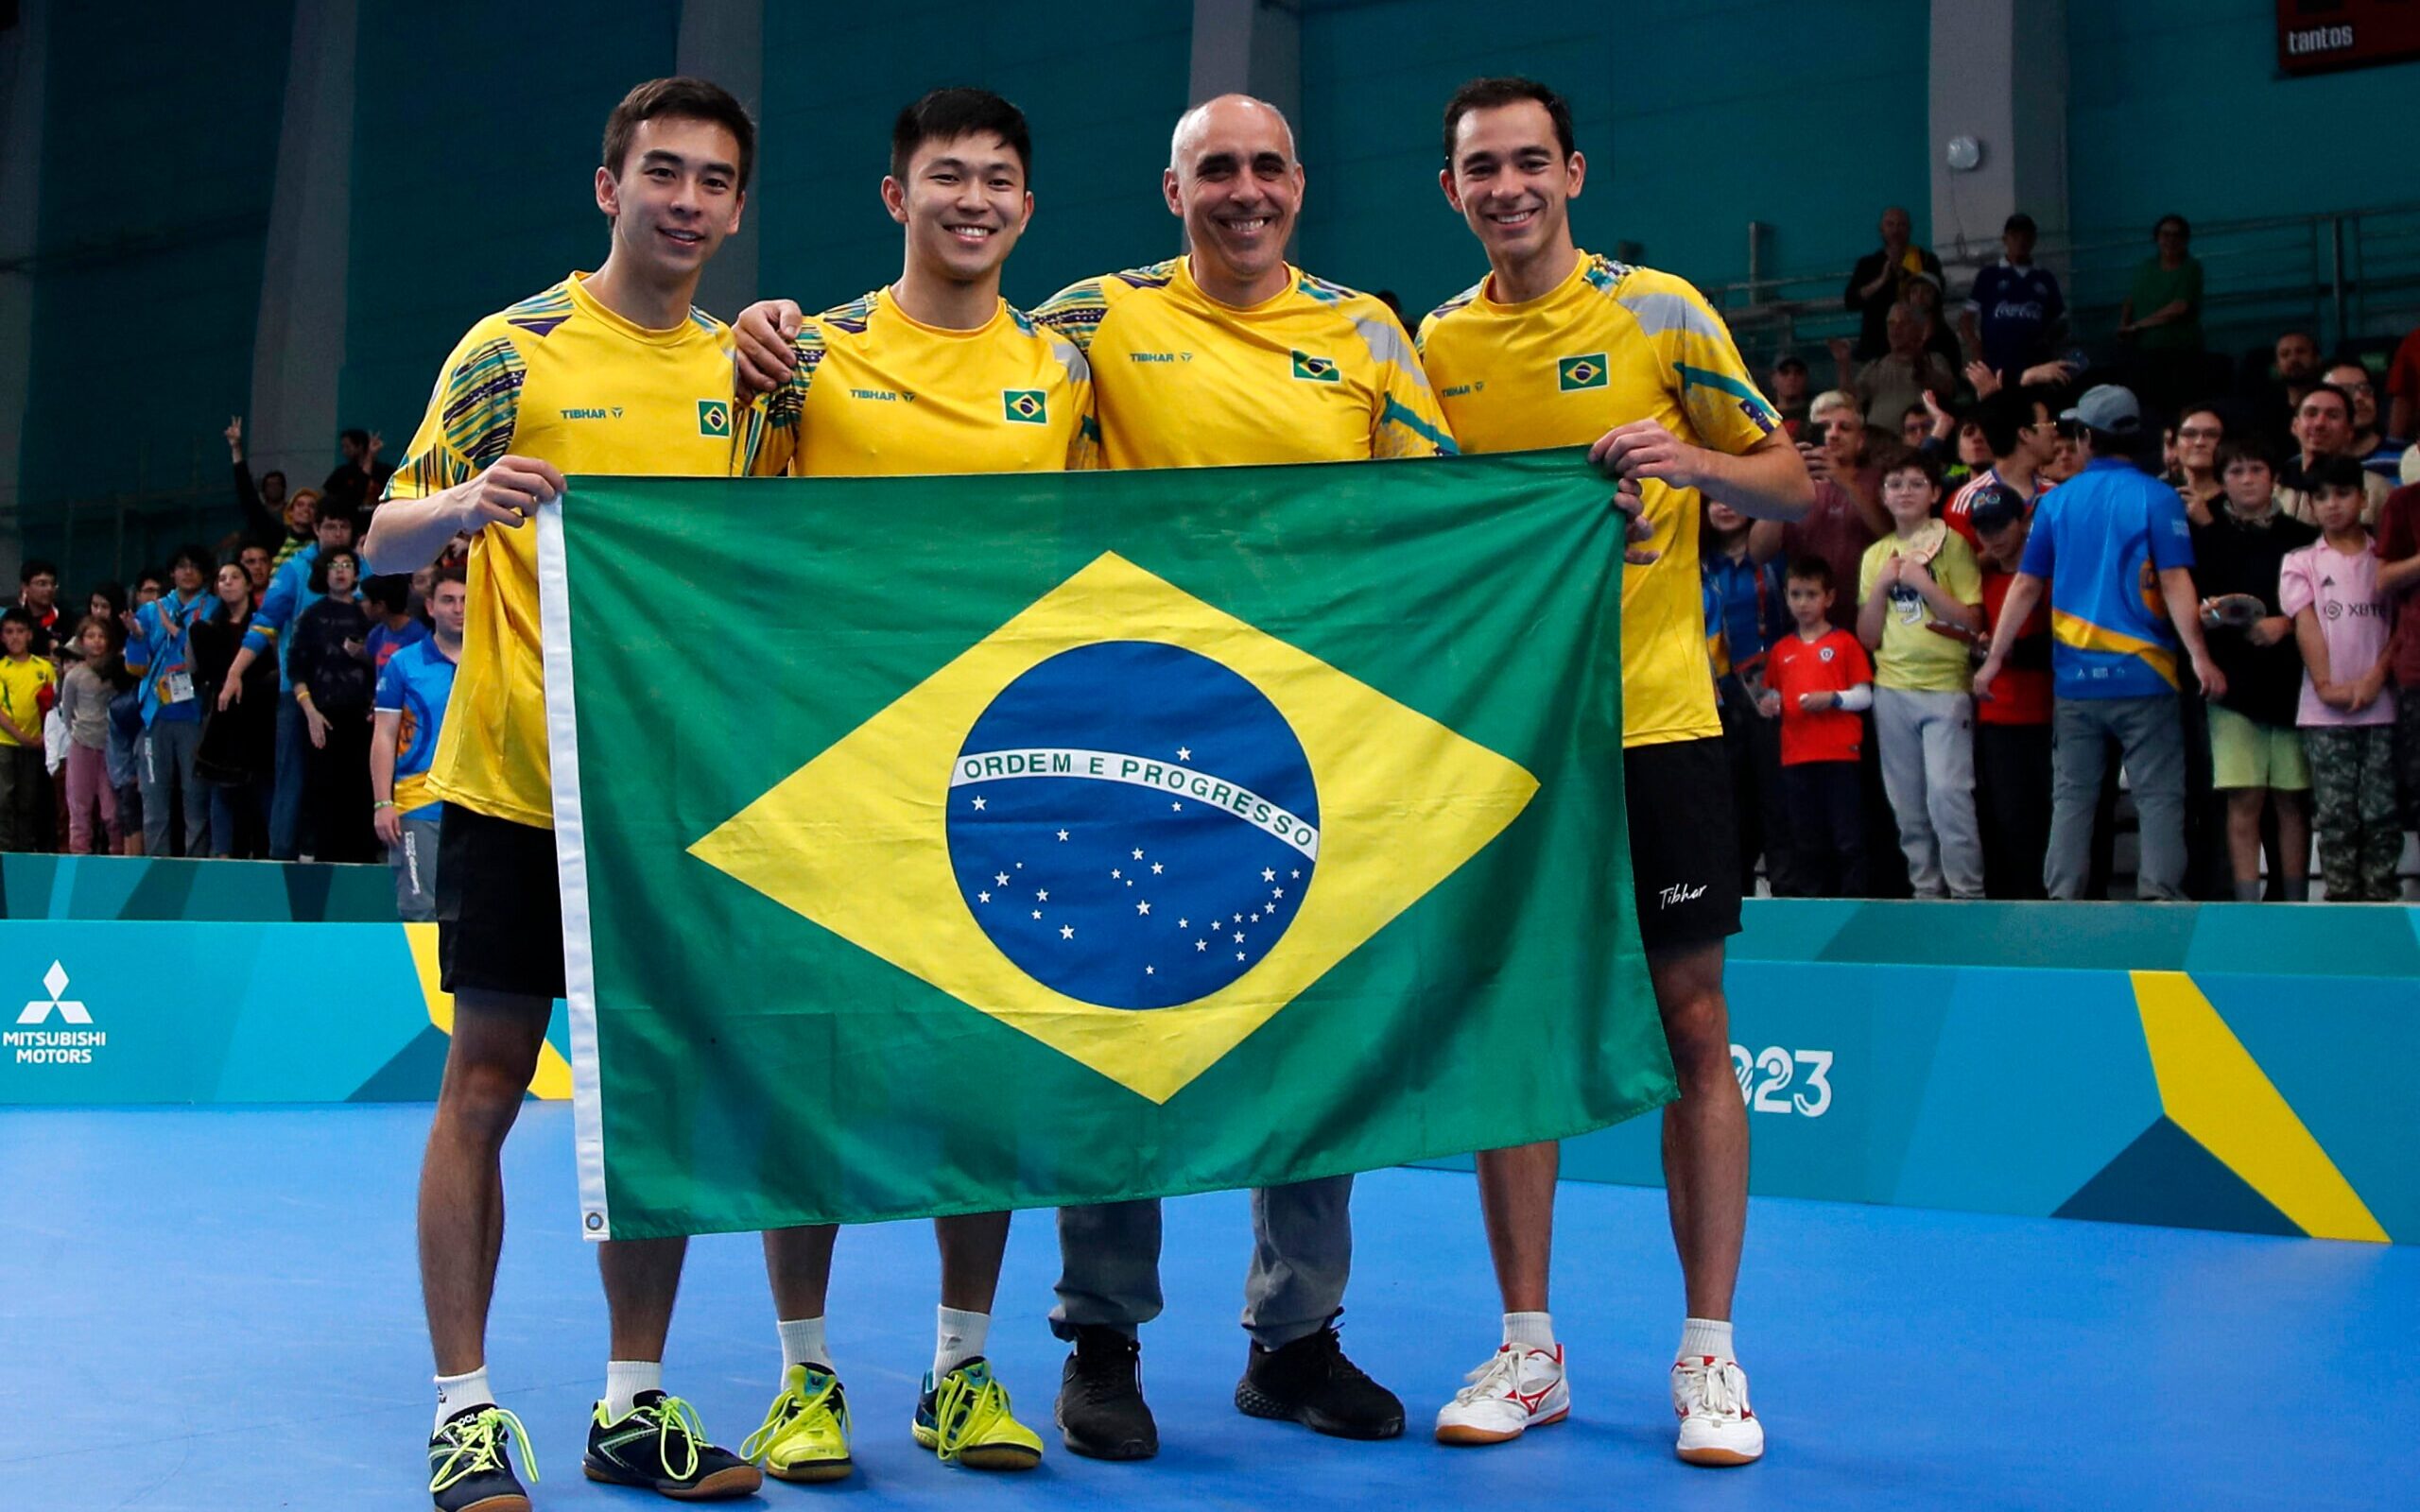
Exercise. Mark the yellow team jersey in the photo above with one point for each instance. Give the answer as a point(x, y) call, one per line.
point(1609, 345)
point(877, 393)
point(22, 687)
point(1316, 373)
point(560, 378)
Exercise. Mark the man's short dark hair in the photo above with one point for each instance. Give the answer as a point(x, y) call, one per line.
point(2165, 221)
point(150, 575)
point(1507, 88)
point(391, 591)
point(2007, 413)
point(2252, 447)
point(1908, 459)
point(947, 114)
point(2020, 221)
point(334, 517)
point(1812, 569)
point(2335, 473)
point(276, 473)
point(453, 572)
point(354, 436)
point(2342, 397)
point(35, 567)
point(690, 99)
point(199, 556)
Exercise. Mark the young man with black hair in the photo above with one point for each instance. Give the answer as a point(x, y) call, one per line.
point(996, 393)
point(2112, 551)
point(270, 632)
point(355, 485)
point(38, 596)
point(160, 654)
point(263, 503)
point(611, 372)
point(1674, 414)
point(2323, 428)
point(2019, 427)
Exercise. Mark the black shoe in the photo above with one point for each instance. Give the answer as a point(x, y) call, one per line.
point(661, 1447)
point(1101, 1413)
point(467, 1468)
point(1312, 1382)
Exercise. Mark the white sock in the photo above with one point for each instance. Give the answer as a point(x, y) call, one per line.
point(454, 1393)
point(1530, 1330)
point(803, 1343)
point(959, 1339)
point(625, 1380)
point(1703, 1336)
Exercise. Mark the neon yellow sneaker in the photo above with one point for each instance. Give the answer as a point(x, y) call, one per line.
point(964, 1417)
point(806, 1433)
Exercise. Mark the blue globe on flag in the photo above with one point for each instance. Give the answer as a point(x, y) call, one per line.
point(1133, 824)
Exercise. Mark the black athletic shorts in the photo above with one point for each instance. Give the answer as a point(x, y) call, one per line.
point(499, 906)
point(1684, 843)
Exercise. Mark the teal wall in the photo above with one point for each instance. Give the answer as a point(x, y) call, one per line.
point(1101, 119)
point(2192, 90)
point(1696, 119)
point(473, 165)
point(158, 157)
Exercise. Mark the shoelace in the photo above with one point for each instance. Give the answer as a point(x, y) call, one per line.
point(480, 1446)
point(1105, 1375)
point(787, 1408)
point(1716, 1390)
point(1500, 1376)
point(963, 1404)
point(1336, 1364)
point(675, 1413)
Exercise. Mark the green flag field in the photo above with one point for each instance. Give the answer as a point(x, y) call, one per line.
point(953, 843)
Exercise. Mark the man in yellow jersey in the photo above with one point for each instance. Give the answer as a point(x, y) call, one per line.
point(1231, 355)
point(605, 373)
point(991, 392)
point(1557, 348)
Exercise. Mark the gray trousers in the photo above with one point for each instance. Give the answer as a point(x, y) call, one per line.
point(415, 866)
point(1302, 1252)
point(165, 767)
point(1927, 750)
point(2151, 735)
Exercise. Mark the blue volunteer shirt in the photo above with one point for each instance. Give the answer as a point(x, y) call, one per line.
point(416, 683)
point(289, 594)
point(160, 653)
point(2015, 309)
point(2100, 540)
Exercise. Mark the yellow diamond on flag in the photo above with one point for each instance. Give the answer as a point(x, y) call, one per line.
point(1160, 894)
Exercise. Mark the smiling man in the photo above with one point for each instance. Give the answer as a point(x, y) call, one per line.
point(1228, 356)
point(1559, 347)
point(611, 372)
point(933, 373)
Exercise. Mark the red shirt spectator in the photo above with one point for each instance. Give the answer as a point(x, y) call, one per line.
point(1834, 661)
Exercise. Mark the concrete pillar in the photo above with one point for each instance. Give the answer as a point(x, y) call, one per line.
point(724, 41)
point(24, 62)
point(299, 340)
point(1998, 74)
point(1247, 47)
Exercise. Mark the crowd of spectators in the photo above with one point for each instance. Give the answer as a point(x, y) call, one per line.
point(2027, 571)
point(259, 699)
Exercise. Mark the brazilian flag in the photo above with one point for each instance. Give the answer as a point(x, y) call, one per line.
point(945, 845)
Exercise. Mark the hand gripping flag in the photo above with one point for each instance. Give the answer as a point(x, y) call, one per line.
point(945, 845)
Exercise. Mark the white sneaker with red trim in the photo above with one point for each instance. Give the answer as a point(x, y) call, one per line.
point(1717, 1427)
point(1519, 1388)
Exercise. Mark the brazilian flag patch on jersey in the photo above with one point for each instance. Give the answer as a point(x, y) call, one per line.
point(1023, 407)
point(1315, 369)
point(1574, 373)
point(713, 417)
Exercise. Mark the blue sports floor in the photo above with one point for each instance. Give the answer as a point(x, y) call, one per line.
point(213, 1310)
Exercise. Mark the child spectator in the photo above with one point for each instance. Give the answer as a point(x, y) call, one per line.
point(1743, 619)
point(2255, 752)
point(2399, 579)
point(1919, 577)
point(28, 686)
point(2013, 725)
point(84, 697)
point(2347, 710)
point(160, 653)
point(1817, 679)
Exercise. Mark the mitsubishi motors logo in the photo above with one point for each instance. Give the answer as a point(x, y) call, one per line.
point(36, 1046)
point(55, 982)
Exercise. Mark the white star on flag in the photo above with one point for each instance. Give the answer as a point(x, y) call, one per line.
point(1156, 868)
point(982, 897)
point(1063, 835)
point(1041, 895)
point(1201, 944)
point(1066, 932)
point(979, 805)
point(1267, 875)
point(1138, 854)
point(1143, 907)
point(1277, 892)
point(1115, 873)
point(1000, 878)
point(1185, 753)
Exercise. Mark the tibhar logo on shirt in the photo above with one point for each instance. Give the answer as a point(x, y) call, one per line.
point(713, 417)
point(1571, 374)
point(38, 1046)
point(1316, 370)
point(1023, 407)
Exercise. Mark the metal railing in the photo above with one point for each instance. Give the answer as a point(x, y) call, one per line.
point(2342, 275)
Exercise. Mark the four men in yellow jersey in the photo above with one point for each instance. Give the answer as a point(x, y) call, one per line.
point(1226, 356)
point(611, 372)
point(1551, 349)
point(933, 373)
